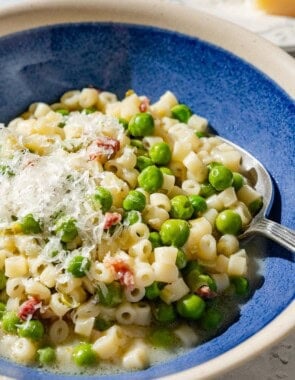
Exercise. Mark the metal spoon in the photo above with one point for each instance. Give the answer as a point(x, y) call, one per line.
point(260, 179)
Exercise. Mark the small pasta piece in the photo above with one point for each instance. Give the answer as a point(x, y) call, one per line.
point(7, 243)
point(3, 254)
point(221, 264)
point(228, 197)
point(143, 314)
point(207, 248)
point(84, 326)
point(36, 266)
point(237, 265)
point(180, 150)
point(227, 245)
point(161, 201)
point(214, 202)
point(16, 266)
point(88, 97)
point(39, 109)
point(200, 227)
point(155, 216)
point(187, 335)
point(231, 159)
point(27, 245)
point(165, 272)
point(71, 99)
point(48, 276)
point(221, 281)
point(66, 283)
point(100, 272)
point(135, 294)
point(87, 310)
point(59, 331)
point(59, 308)
point(178, 169)
point(191, 187)
point(105, 98)
point(196, 167)
point(125, 314)
point(136, 357)
point(35, 288)
point(23, 350)
point(168, 183)
point(174, 291)
point(211, 216)
point(166, 255)
point(198, 123)
point(15, 287)
point(108, 345)
point(247, 195)
point(163, 106)
point(130, 176)
point(241, 209)
point(130, 106)
point(141, 250)
point(138, 231)
point(143, 275)
point(13, 304)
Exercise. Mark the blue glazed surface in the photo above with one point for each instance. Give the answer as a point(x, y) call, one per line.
point(240, 102)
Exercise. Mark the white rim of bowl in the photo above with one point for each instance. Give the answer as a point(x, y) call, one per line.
point(269, 59)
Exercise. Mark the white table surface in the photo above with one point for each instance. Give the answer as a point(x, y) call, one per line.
point(278, 362)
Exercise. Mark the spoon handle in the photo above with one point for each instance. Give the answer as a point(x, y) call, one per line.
point(278, 233)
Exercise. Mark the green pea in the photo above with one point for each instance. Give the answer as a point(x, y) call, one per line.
point(201, 134)
point(160, 153)
point(67, 230)
point(174, 232)
point(192, 265)
point(181, 259)
point(192, 278)
point(238, 181)
point(46, 355)
point(30, 225)
point(63, 111)
point(102, 324)
point(164, 313)
point(3, 280)
point(6, 170)
point(220, 177)
point(32, 329)
point(143, 162)
point(151, 179)
point(111, 296)
point(141, 124)
point(123, 122)
point(181, 112)
point(166, 170)
point(206, 190)
point(241, 285)
point(135, 200)
point(211, 319)
point(195, 281)
point(191, 306)
point(10, 321)
point(228, 222)
point(89, 110)
point(199, 203)
point(162, 338)
point(84, 355)
point(2, 310)
point(153, 291)
point(155, 239)
point(102, 198)
point(255, 206)
point(61, 125)
point(79, 266)
point(132, 217)
point(181, 207)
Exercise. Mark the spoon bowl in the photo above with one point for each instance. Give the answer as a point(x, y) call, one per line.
point(261, 180)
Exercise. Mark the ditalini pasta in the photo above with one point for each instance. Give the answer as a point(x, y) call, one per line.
point(118, 230)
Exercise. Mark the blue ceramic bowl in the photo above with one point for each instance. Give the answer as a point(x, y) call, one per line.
point(240, 101)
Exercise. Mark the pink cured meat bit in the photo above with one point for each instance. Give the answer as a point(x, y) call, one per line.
point(205, 292)
point(143, 107)
point(110, 219)
point(103, 147)
point(123, 273)
point(28, 308)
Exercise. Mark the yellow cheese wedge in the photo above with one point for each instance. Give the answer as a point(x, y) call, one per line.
point(278, 7)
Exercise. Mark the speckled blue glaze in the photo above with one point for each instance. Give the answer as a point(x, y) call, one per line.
point(240, 102)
